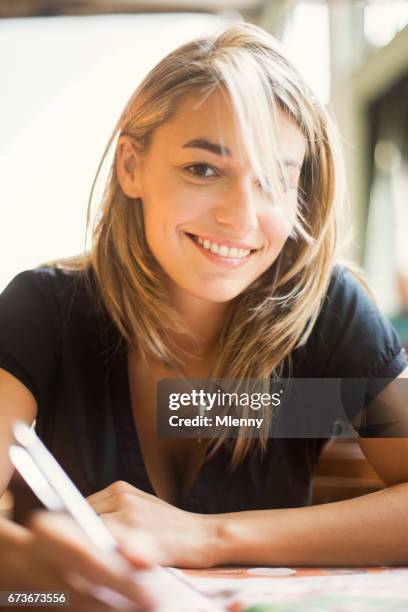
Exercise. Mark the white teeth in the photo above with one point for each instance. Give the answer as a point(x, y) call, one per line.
point(222, 249)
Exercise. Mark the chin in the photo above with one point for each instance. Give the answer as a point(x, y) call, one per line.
point(218, 295)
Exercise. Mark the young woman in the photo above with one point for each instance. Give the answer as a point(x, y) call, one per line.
point(215, 254)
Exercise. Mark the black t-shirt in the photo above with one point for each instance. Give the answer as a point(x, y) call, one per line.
point(59, 341)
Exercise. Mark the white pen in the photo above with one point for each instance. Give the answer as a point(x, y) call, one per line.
point(57, 492)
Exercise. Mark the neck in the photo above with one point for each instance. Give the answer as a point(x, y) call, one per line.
point(203, 318)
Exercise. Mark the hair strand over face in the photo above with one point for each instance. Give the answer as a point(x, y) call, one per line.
point(277, 312)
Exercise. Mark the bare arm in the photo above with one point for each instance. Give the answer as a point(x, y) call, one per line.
point(47, 554)
point(367, 530)
point(16, 402)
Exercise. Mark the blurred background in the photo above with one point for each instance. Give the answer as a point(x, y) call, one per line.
point(68, 66)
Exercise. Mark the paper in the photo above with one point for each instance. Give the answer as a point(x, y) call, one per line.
point(307, 589)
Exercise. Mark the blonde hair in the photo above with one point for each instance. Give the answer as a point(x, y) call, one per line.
point(277, 312)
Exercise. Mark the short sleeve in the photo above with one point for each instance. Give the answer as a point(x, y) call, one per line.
point(357, 340)
point(29, 330)
point(356, 343)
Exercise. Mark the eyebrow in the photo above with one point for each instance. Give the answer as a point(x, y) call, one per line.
point(217, 149)
point(212, 147)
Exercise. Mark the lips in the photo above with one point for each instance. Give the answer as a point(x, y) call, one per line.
point(222, 242)
point(230, 259)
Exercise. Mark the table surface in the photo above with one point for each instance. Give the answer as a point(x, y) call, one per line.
point(311, 589)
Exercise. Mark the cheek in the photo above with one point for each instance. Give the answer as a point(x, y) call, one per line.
point(163, 220)
point(167, 210)
point(161, 209)
point(278, 223)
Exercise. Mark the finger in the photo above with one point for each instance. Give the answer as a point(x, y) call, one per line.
point(78, 600)
point(133, 491)
point(148, 497)
point(121, 487)
point(40, 576)
point(61, 542)
point(114, 503)
point(97, 597)
point(117, 487)
point(122, 501)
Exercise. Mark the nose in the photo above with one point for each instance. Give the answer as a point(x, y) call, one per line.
point(237, 208)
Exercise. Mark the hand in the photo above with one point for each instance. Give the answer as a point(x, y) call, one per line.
point(54, 555)
point(182, 539)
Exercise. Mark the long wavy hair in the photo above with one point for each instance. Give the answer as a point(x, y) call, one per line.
point(277, 312)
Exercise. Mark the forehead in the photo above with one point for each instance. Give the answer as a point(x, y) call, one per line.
point(211, 118)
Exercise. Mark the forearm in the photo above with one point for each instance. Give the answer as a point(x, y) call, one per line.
point(367, 530)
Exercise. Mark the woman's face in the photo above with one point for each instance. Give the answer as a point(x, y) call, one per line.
point(208, 222)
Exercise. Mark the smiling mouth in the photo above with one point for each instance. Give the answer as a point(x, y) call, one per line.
point(221, 250)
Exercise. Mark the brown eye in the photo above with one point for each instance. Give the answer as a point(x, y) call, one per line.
point(200, 170)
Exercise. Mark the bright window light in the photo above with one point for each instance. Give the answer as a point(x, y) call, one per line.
point(310, 53)
point(383, 20)
point(65, 81)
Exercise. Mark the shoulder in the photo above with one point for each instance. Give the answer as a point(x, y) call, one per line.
point(47, 302)
point(44, 280)
point(349, 308)
point(346, 290)
point(351, 336)
point(49, 289)
point(31, 293)
point(45, 312)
